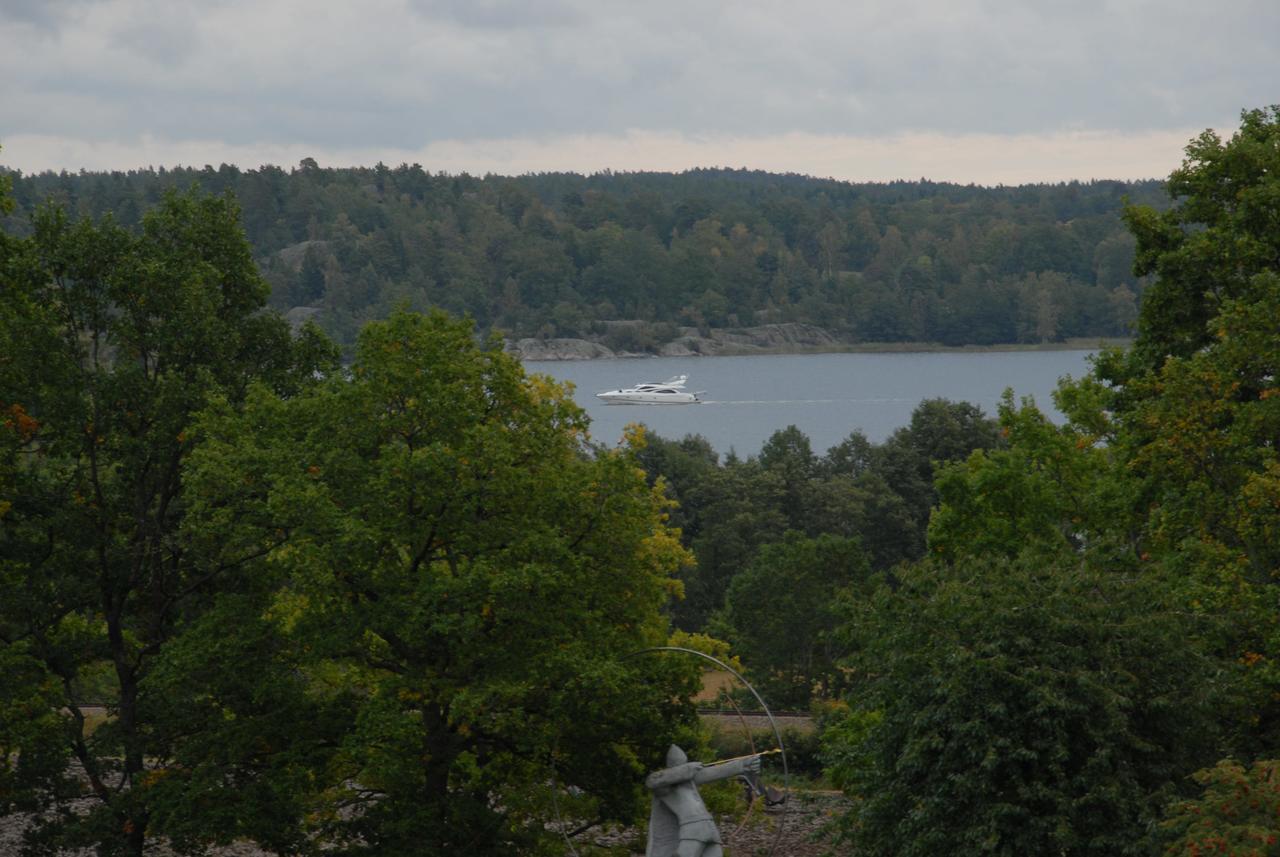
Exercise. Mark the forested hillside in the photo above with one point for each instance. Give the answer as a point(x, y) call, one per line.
point(558, 255)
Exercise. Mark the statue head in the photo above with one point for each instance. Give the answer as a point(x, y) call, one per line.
point(675, 756)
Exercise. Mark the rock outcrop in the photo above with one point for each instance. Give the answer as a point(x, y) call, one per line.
point(788, 338)
point(300, 315)
point(766, 339)
point(558, 349)
point(293, 255)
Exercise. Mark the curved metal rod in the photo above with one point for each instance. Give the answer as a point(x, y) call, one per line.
point(777, 733)
point(751, 742)
point(555, 805)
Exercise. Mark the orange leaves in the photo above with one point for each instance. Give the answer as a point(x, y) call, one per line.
point(152, 776)
point(17, 420)
point(1229, 818)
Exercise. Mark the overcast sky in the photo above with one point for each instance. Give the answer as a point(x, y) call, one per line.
point(951, 90)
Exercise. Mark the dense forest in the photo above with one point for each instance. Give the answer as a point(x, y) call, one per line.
point(560, 255)
point(391, 605)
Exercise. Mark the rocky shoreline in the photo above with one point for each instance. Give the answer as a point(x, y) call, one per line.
point(788, 338)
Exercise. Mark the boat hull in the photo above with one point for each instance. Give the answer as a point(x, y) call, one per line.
point(641, 399)
point(669, 392)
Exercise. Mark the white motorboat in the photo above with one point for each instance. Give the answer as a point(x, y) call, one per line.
point(668, 392)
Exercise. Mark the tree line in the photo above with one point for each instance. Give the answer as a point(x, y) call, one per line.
point(559, 255)
point(386, 607)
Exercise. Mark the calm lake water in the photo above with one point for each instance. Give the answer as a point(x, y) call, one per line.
point(826, 396)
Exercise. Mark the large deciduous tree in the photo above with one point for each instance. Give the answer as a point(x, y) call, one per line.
point(1198, 404)
point(109, 342)
point(463, 566)
point(1016, 708)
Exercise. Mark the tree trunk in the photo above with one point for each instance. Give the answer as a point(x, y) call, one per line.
point(134, 825)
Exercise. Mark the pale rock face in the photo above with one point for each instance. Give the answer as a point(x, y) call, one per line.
point(558, 349)
point(769, 338)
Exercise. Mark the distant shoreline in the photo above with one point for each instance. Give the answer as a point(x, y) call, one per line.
point(1079, 343)
point(572, 350)
point(1076, 344)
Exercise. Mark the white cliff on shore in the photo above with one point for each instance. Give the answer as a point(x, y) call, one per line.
point(558, 349)
point(790, 338)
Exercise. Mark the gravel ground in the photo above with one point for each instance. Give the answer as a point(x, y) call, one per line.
point(805, 815)
point(13, 826)
point(801, 830)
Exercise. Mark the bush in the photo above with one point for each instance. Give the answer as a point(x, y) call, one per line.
point(1019, 708)
point(803, 745)
point(1238, 813)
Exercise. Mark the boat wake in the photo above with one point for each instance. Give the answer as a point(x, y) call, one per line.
point(881, 401)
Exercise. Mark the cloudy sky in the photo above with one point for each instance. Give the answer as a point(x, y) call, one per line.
point(955, 90)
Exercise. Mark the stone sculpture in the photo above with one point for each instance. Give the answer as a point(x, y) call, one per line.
point(679, 823)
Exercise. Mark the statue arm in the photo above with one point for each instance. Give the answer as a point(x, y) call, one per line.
point(673, 776)
point(725, 770)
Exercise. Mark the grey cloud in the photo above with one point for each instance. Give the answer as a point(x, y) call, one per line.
point(405, 76)
point(165, 42)
point(500, 14)
point(35, 12)
point(45, 14)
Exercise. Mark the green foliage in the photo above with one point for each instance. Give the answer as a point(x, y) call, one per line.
point(1103, 620)
point(879, 494)
point(113, 339)
point(781, 614)
point(1237, 813)
point(727, 516)
point(1201, 431)
point(245, 727)
point(1017, 708)
point(33, 732)
point(558, 254)
point(1221, 231)
point(729, 741)
point(1045, 488)
point(1195, 401)
point(475, 576)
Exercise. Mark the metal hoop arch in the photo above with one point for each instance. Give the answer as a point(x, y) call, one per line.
point(773, 724)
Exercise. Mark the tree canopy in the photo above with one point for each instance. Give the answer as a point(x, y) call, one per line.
point(564, 255)
point(113, 340)
point(1018, 708)
point(473, 576)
